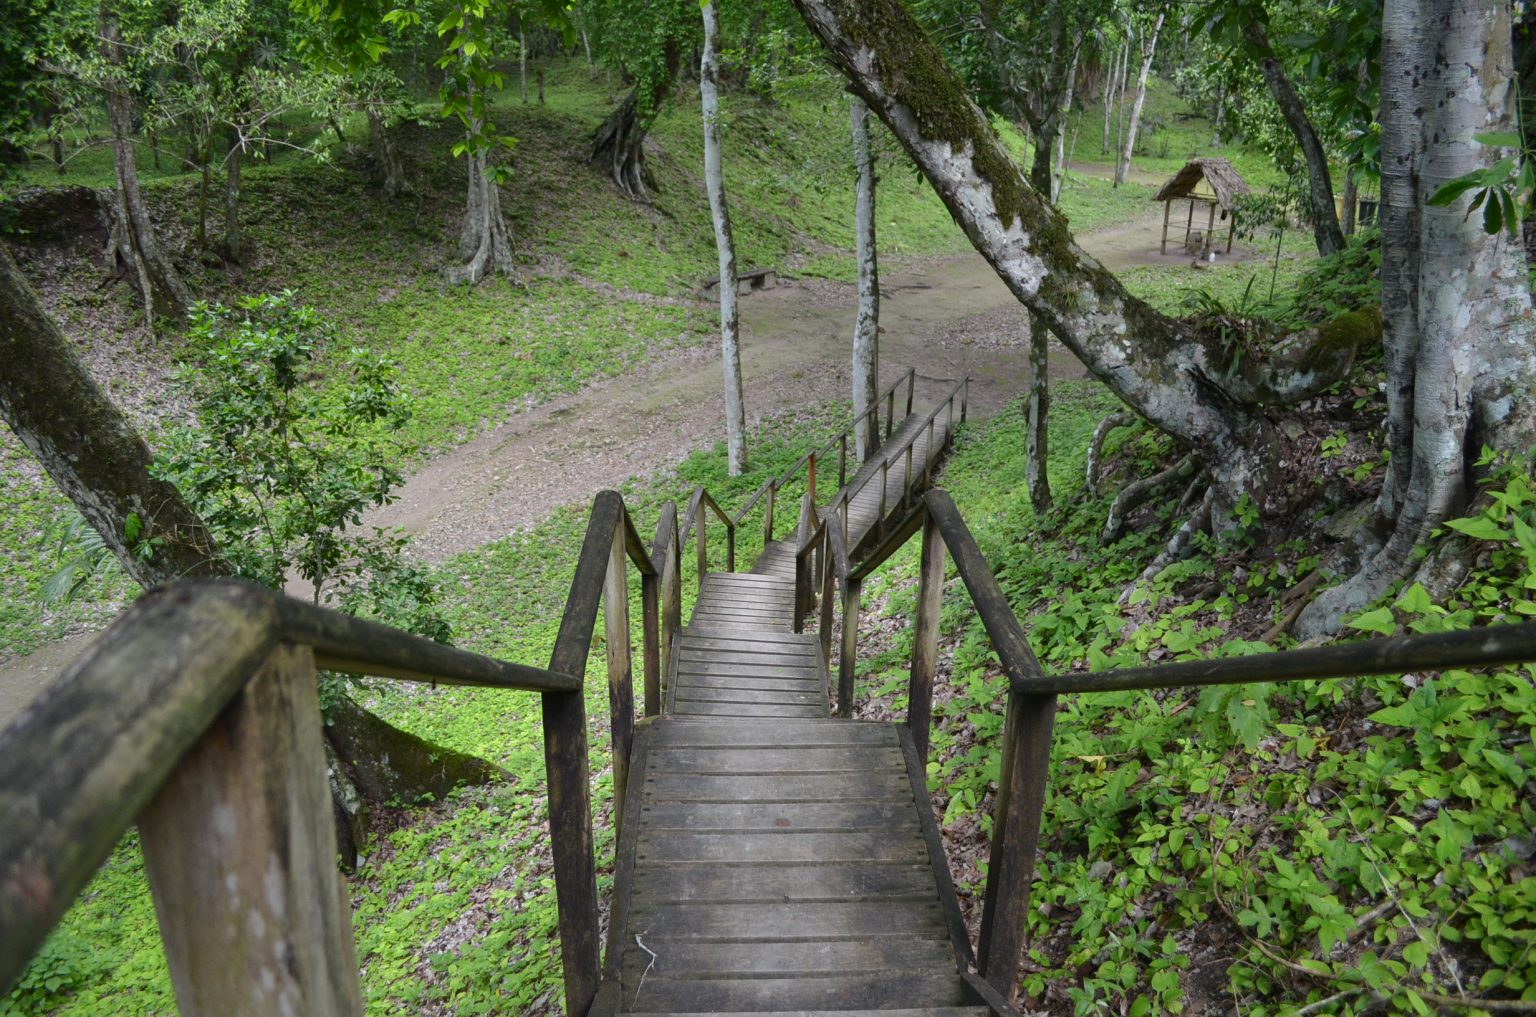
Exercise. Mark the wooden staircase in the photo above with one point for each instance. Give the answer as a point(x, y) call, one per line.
point(772, 859)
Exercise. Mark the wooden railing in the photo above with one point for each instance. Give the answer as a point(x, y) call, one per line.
point(869, 418)
point(1031, 699)
point(196, 716)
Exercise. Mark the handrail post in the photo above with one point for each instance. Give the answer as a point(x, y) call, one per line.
point(842, 461)
point(925, 637)
point(768, 515)
point(824, 627)
point(850, 648)
point(621, 687)
point(1015, 836)
point(949, 427)
point(701, 544)
point(911, 381)
point(929, 456)
point(965, 395)
point(810, 482)
point(906, 480)
point(885, 470)
point(240, 851)
point(890, 412)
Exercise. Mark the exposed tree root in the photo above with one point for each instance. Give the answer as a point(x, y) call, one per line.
point(618, 147)
point(1178, 547)
point(1123, 418)
point(1300, 596)
point(1135, 494)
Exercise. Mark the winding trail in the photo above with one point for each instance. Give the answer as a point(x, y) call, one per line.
point(947, 317)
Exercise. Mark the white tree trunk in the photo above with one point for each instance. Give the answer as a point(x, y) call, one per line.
point(866, 329)
point(1148, 51)
point(1060, 170)
point(1461, 368)
point(522, 61)
point(725, 245)
point(484, 243)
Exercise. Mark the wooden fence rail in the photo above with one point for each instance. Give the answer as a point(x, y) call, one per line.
point(196, 715)
point(1032, 695)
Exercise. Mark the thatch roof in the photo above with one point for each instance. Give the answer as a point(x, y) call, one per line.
point(1224, 180)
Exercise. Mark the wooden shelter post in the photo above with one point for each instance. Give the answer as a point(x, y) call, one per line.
point(1167, 211)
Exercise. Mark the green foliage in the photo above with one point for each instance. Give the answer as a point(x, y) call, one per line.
point(1337, 284)
point(1505, 190)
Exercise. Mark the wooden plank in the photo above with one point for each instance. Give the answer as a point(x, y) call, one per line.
point(804, 816)
point(744, 682)
point(703, 669)
point(759, 760)
point(240, 849)
point(927, 1011)
point(690, 656)
point(712, 640)
point(817, 732)
point(752, 923)
point(780, 787)
point(865, 846)
point(788, 960)
point(698, 709)
point(702, 694)
point(768, 884)
point(799, 993)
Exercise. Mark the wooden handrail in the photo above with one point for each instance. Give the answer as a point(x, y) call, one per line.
point(108, 739)
point(196, 715)
point(773, 485)
point(1031, 699)
point(702, 499)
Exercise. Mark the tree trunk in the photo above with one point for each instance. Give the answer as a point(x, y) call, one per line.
point(725, 244)
point(1148, 51)
point(133, 244)
point(1182, 383)
point(522, 62)
point(1062, 116)
point(1351, 201)
point(234, 245)
point(866, 328)
point(484, 245)
point(102, 465)
point(1325, 219)
point(1462, 368)
point(386, 157)
point(618, 146)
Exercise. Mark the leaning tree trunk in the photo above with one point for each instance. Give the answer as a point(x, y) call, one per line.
point(133, 245)
point(1182, 383)
point(1148, 51)
point(99, 461)
point(1325, 218)
point(1037, 441)
point(618, 146)
point(1462, 368)
point(725, 245)
point(386, 156)
point(866, 328)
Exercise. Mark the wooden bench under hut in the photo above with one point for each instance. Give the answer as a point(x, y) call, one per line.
point(1210, 182)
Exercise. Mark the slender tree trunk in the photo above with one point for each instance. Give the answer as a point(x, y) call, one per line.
point(1037, 443)
point(1469, 347)
point(866, 329)
point(133, 243)
point(725, 244)
point(386, 157)
point(1125, 66)
point(1109, 99)
point(1181, 381)
point(1219, 115)
point(522, 62)
point(234, 244)
point(1148, 51)
point(1062, 119)
point(1351, 201)
point(586, 45)
point(1325, 219)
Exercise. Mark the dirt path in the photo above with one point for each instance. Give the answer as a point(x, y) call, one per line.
point(947, 317)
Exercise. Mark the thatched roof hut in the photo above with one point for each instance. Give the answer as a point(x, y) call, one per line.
point(1211, 182)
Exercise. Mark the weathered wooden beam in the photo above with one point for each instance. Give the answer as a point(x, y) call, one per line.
point(1492, 646)
point(240, 851)
point(1015, 836)
point(997, 617)
point(85, 757)
point(925, 638)
point(621, 686)
point(850, 648)
point(566, 762)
